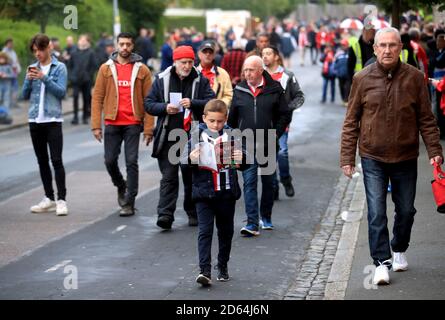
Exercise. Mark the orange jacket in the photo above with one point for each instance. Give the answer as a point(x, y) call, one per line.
point(105, 95)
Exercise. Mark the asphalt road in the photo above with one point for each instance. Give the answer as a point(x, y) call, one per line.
point(95, 254)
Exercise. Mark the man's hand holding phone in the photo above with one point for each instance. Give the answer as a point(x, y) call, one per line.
point(34, 73)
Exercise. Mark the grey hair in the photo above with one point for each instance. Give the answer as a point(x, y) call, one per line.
point(386, 30)
point(254, 59)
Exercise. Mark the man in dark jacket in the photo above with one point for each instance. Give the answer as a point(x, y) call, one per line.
point(259, 103)
point(82, 66)
point(181, 80)
point(361, 50)
point(388, 108)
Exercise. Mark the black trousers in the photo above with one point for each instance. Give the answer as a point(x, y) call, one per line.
point(220, 210)
point(344, 86)
point(169, 186)
point(113, 138)
point(85, 89)
point(44, 135)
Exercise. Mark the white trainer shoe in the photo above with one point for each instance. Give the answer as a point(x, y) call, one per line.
point(46, 205)
point(399, 262)
point(61, 209)
point(381, 274)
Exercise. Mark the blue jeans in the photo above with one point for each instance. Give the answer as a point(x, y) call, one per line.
point(326, 81)
point(5, 95)
point(250, 177)
point(403, 177)
point(283, 159)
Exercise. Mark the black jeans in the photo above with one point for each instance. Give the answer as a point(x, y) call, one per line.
point(220, 210)
point(85, 88)
point(169, 186)
point(44, 135)
point(114, 136)
point(344, 85)
point(403, 177)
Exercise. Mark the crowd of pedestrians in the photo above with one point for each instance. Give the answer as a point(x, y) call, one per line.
point(210, 86)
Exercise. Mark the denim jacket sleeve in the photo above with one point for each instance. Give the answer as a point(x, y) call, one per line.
point(56, 83)
point(26, 89)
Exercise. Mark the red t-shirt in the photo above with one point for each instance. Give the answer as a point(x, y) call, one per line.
point(209, 74)
point(125, 114)
point(277, 76)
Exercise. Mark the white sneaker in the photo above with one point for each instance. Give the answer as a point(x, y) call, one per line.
point(46, 205)
point(381, 275)
point(61, 210)
point(399, 262)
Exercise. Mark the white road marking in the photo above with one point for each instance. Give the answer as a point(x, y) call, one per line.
point(120, 228)
point(59, 265)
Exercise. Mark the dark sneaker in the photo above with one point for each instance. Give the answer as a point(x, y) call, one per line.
point(223, 273)
point(164, 222)
point(266, 224)
point(127, 210)
point(288, 187)
point(75, 121)
point(121, 194)
point(193, 221)
point(250, 230)
point(204, 279)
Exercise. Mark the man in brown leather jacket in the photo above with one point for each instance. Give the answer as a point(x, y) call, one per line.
point(388, 107)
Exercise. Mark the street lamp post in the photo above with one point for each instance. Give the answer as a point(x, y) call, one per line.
point(117, 19)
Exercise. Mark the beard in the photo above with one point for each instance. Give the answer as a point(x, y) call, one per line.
point(124, 54)
point(184, 74)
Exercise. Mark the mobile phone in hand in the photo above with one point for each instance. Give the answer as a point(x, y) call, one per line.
point(33, 69)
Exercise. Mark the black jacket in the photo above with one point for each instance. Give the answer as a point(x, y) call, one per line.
point(202, 180)
point(268, 110)
point(82, 66)
point(156, 102)
point(367, 51)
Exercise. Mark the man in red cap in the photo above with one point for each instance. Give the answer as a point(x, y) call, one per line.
point(177, 98)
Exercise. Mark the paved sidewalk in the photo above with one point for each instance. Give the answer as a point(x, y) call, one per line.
point(351, 275)
point(20, 114)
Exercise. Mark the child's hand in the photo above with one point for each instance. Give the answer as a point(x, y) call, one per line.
point(194, 155)
point(238, 155)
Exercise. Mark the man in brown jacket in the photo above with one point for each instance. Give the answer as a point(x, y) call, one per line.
point(121, 86)
point(388, 107)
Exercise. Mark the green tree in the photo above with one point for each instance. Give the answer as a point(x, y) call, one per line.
point(396, 7)
point(40, 11)
point(144, 13)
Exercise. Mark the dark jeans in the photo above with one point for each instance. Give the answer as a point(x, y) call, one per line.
point(250, 177)
point(85, 89)
point(113, 138)
point(344, 86)
point(326, 82)
point(44, 135)
point(220, 210)
point(403, 177)
point(314, 54)
point(169, 186)
point(440, 115)
point(283, 159)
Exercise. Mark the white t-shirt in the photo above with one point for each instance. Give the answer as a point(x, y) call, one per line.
point(41, 116)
